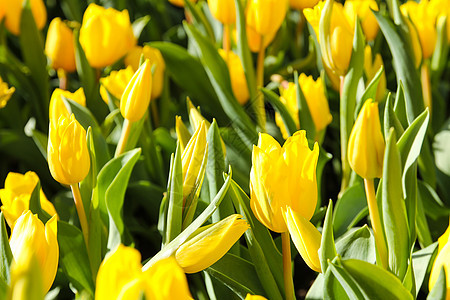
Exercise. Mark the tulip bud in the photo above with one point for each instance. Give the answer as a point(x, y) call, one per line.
point(282, 176)
point(237, 76)
point(183, 134)
point(13, 14)
point(366, 143)
point(255, 297)
point(57, 106)
point(442, 260)
point(2, 9)
point(115, 83)
point(29, 234)
point(363, 9)
point(305, 236)
point(223, 10)
point(16, 196)
point(59, 46)
point(67, 152)
point(180, 3)
point(302, 4)
point(266, 16)
point(210, 244)
point(371, 68)
point(254, 39)
point(157, 65)
point(136, 96)
point(105, 35)
point(5, 93)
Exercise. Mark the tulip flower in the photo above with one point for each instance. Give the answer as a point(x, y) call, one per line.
point(237, 76)
point(363, 9)
point(183, 134)
point(180, 3)
point(371, 68)
point(59, 46)
point(115, 84)
point(16, 195)
point(5, 93)
point(254, 40)
point(442, 260)
point(314, 93)
point(210, 244)
point(223, 10)
point(105, 35)
point(30, 235)
point(255, 297)
point(2, 9)
point(13, 14)
point(57, 106)
point(266, 16)
point(442, 9)
point(120, 276)
point(302, 4)
point(157, 63)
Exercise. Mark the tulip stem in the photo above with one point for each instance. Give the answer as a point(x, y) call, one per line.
point(376, 221)
point(226, 40)
point(346, 171)
point(426, 84)
point(287, 267)
point(123, 138)
point(80, 211)
point(259, 101)
point(62, 76)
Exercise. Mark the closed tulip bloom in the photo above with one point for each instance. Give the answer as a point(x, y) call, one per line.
point(115, 83)
point(363, 9)
point(67, 152)
point(371, 67)
point(59, 46)
point(30, 234)
point(105, 35)
point(237, 76)
point(157, 65)
point(282, 176)
point(16, 195)
point(136, 96)
point(210, 244)
point(254, 39)
point(305, 236)
point(223, 10)
point(255, 297)
point(441, 8)
point(13, 14)
point(5, 93)
point(180, 3)
point(442, 260)
point(266, 16)
point(57, 106)
point(2, 9)
point(302, 4)
point(366, 143)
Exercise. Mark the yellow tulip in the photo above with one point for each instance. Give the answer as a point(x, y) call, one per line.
point(254, 39)
point(302, 4)
point(67, 152)
point(223, 10)
point(237, 76)
point(210, 244)
point(136, 96)
point(183, 134)
point(442, 260)
point(363, 9)
point(305, 236)
point(282, 176)
point(13, 14)
point(423, 18)
point(16, 196)
point(59, 46)
point(2, 9)
point(115, 83)
point(371, 68)
point(266, 16)
point(180, 3)
point(105, 35)
point(57, 106)
point(255, 297)
point(157, 62)
point(5, 93)
point(120, 276)
point(30, 234)
point(441, 8)
point(366, 143)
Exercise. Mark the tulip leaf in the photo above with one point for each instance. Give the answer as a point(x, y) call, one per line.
point(400, 105)
point(440, 53)
point(192, 78)
point(347, 282)
point(375, 282)
point(421, 261)
point(6, 256)
point(349, 208)
point(393, 210)
point(357, 244)
point(431, 202)
point(288, 121)
point(327, 250)
point(242, 282)
point(244, 50)
point(113, 180)
point(304, 114)
point(422, 228)
point(139, 25)
point(73, 257)
point(41, 141)
point(390, 119)
point(218, 74)
point(199, 19)
point(35, 204)
point(370, 92)
point(439, 290)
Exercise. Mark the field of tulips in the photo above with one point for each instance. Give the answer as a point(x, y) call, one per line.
point(224, 149)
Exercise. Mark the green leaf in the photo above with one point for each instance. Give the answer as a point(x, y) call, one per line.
point(304, 115)
point(346, 281)
point(423, 231)
point(199, 19)
point(242, 282)
point(357, 244)
point(327, 250)
point(370, 92)
point(440, 53)
point(421, 261)
point(400, 105)
point(350, 209)
point(73, 257)
point(439, 290)
point(390, 119)
point(288, 121)
point(41, 141)
point(374, 281)
point(6, 256)
point(35, 204)
point(139, 25)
